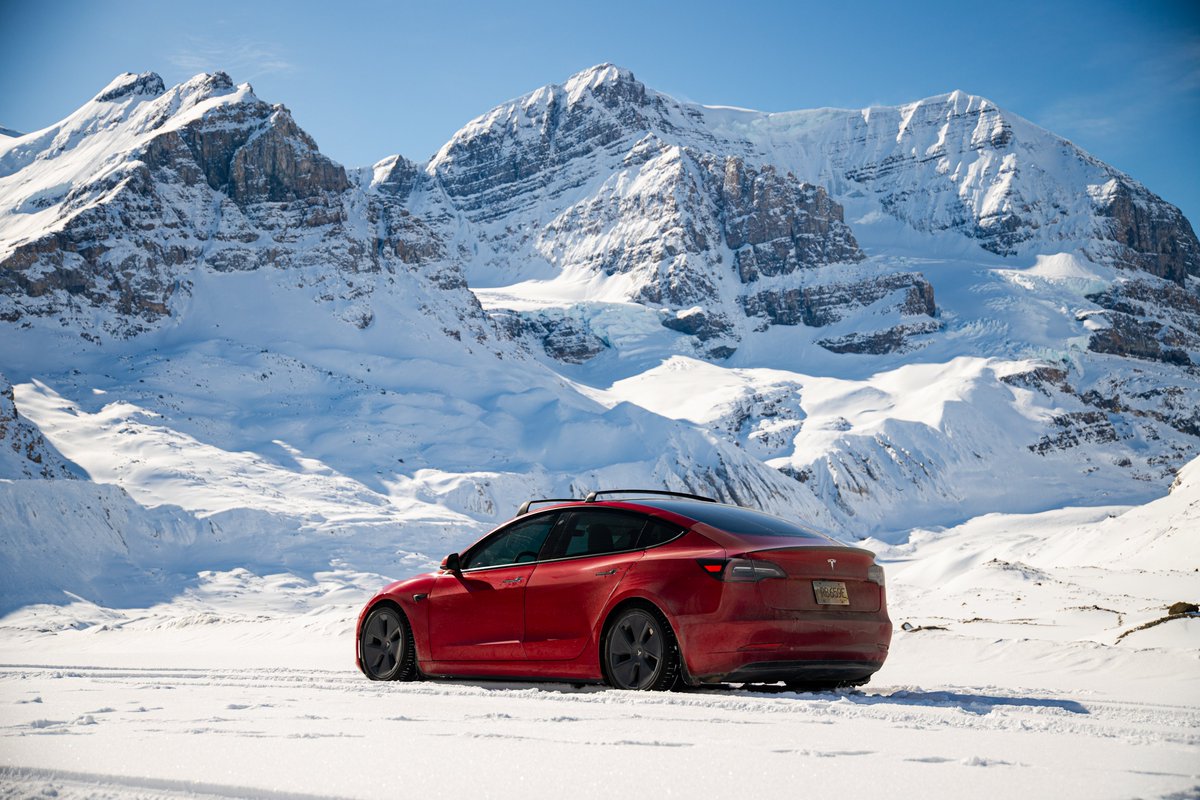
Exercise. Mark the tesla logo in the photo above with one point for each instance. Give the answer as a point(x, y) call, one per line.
point(832, 563)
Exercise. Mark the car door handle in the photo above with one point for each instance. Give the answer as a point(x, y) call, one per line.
point(512, 580)
point(612, 571)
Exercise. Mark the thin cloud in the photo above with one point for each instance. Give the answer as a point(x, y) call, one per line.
point(1169, 77)
point(244, 60)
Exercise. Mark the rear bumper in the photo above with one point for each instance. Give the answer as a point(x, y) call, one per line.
point(833, 647)
point(804, 671)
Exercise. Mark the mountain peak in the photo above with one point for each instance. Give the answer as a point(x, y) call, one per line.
point(600, 79)
point(599, 74)
point(127, 84)
point(957, 100)
point(610, 84)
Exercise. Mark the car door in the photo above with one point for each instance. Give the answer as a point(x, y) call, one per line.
point(588, 556)
point(477, 614)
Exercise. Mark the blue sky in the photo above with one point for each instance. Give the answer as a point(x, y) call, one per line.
point(367, 79)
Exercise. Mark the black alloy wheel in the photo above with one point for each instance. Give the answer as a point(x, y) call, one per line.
point(386, 646)
point(640, 651)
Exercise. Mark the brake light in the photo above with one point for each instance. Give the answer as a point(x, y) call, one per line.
point(741, 570)
point(875, 574)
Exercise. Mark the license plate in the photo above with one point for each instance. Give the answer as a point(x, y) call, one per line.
point(831, 593)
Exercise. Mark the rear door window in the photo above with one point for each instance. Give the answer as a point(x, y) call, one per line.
point(596, 532)
point(658, 532)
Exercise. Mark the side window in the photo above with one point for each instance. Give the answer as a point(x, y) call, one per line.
point(590, 533)
point(658, 531)
point(517, 544)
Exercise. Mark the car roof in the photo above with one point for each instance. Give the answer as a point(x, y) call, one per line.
point(747, 525)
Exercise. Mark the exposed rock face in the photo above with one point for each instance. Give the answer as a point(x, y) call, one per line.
point(773, 223)
point(1116, 394)
point(697, 322)
point(1129, 336)
point(1141, 232)
point(907, 295)
point(891, 340)
point(488, 168)
point(24, 452)
point(1158, 321)
point(652, 221)
point(603, 176)
point(1076, 428)
point(561, 337)
point(822, 305)
point(147, 83)
point(397, 176)
point(255, 153)
point(895, 152)
point(1043, 379)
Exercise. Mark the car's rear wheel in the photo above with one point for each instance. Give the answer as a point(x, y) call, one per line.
point(640, 651)
point(386, 647)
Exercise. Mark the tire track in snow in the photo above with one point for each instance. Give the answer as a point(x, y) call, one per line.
point(900, 707)
point(18, 782)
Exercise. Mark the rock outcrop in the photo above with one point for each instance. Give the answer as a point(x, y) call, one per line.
point(775, 224)
point(1154, 320)
point(24, 451)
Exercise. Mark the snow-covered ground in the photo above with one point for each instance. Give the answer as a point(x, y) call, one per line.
point(1025, 672)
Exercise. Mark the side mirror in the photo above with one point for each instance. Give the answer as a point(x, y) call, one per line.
point(451, 563)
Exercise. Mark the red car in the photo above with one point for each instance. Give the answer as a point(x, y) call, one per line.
point(640, 593)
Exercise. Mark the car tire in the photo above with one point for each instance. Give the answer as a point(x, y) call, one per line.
point(385, 646)
point(640, 651)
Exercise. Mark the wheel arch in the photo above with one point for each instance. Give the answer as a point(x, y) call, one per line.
point(637, 601)
point(383, 601)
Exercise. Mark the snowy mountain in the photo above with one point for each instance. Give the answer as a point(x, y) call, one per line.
point(604, 181)
point(203, 310)
point(860, 317)
point(242, 386)
point(819, 262)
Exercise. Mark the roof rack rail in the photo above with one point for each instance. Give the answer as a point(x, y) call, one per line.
point(591, 498)
point(524, 509)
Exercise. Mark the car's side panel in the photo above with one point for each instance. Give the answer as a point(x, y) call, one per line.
point(671, 579)
point(564, 600)
point(478, 615)
point(577, 670)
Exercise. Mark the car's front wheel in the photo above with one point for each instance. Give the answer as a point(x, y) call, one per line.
point(385, 646)
point(640, 651)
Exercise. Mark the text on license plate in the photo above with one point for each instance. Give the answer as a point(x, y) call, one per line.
point(831, 593)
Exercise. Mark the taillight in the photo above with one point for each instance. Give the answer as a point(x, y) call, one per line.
point(875, 574)
point(741, 570)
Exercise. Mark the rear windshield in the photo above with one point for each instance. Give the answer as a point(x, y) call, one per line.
point(736, 520)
